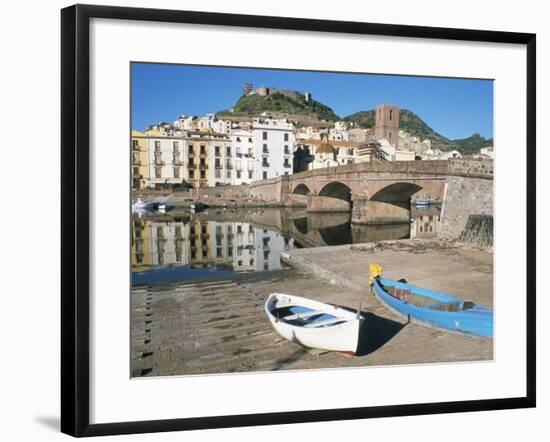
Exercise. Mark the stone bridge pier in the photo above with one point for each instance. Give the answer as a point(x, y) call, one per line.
point(367, 211)
point(319, 203)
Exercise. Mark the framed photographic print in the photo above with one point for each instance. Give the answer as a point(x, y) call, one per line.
point(308, 220)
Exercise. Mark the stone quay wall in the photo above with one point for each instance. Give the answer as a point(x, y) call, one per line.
point(464, 196)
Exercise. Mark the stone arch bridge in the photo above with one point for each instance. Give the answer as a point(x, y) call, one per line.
point(374, 192)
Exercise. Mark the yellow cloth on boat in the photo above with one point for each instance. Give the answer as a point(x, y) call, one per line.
point(375, 272)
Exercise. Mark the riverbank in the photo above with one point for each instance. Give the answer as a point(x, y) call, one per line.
point(219, 325)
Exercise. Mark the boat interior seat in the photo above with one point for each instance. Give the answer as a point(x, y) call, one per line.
point(324, 323)
point(304, 315)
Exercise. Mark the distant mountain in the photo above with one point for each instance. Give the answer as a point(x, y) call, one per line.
point(288, 103)
point(414, 125)
point(472, 144)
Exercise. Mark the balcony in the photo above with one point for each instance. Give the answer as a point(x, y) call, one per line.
point(191, 166)
point(177, 162)
point(264, 150)
point(218, 166)
point(203, 166)
point(191, 153)
point(229, 166)
point(137, 162)
point(159, 162)
point(287, 165)
point(265, 164)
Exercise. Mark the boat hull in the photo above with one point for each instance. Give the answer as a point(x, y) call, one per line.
point(342, 337)
point(476, 320)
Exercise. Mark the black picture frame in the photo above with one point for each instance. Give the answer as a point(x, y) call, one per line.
point(75, 213)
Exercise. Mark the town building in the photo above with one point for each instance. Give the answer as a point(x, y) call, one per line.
point(242, 142)
point(140, 161)
point(210, 159)
point(273, 144)
point(165, 159)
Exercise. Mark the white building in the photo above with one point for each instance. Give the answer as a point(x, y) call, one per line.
point(243, 146)
point(273, 144)
point(489, 152)
point(165, 159)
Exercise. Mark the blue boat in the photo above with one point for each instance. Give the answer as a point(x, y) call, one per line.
point(435, 309)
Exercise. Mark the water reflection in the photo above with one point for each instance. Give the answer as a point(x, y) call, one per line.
point(425, 221)
point(218, 241)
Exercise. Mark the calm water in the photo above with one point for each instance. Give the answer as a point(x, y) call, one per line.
point(182, 246)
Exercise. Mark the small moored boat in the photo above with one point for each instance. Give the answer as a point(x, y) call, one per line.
point(314, 324)
point(422, 202)
point(432, 308)
point(198, 207)
point(164, 207)
point(141, 205)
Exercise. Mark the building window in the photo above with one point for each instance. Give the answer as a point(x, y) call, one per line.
point(158, 172)
point(176, 146)
point(228, 174)
point(136, 171)
point(157, 145)
point(286, 136)
point(264, 149)
point(249, 174)
point(203, 150)
point(176, 172)
point(203, 174)
point(265, 175)
point(218, 173)
point(191, 150)
point(238, 174)
point(287, 150)
point(264, 135)
point(228, 151)
point(391, 113)
point(135, 144)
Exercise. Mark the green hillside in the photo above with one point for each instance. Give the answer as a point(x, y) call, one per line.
point(294, 104)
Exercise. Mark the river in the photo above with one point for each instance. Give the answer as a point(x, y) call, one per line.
point(181, 245)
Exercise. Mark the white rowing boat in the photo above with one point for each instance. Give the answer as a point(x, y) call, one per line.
point(314, 324)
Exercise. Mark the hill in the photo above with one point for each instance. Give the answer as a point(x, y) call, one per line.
point(291, 104)
point(414, 125)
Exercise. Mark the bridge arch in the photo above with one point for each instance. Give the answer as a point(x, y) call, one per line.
point(398, 194)
point(301, 189)
point(336, 189)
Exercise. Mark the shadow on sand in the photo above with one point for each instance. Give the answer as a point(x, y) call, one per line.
point(375, 332)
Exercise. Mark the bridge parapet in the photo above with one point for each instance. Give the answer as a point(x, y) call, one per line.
point(471, 167)
point(432, 167)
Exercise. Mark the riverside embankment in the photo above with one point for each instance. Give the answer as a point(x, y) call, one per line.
point(218, 325)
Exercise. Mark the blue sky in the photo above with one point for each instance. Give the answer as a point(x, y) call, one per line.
point(456, 108)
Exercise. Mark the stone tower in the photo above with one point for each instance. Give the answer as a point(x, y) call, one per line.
point(386, 123)
point(247, 88)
